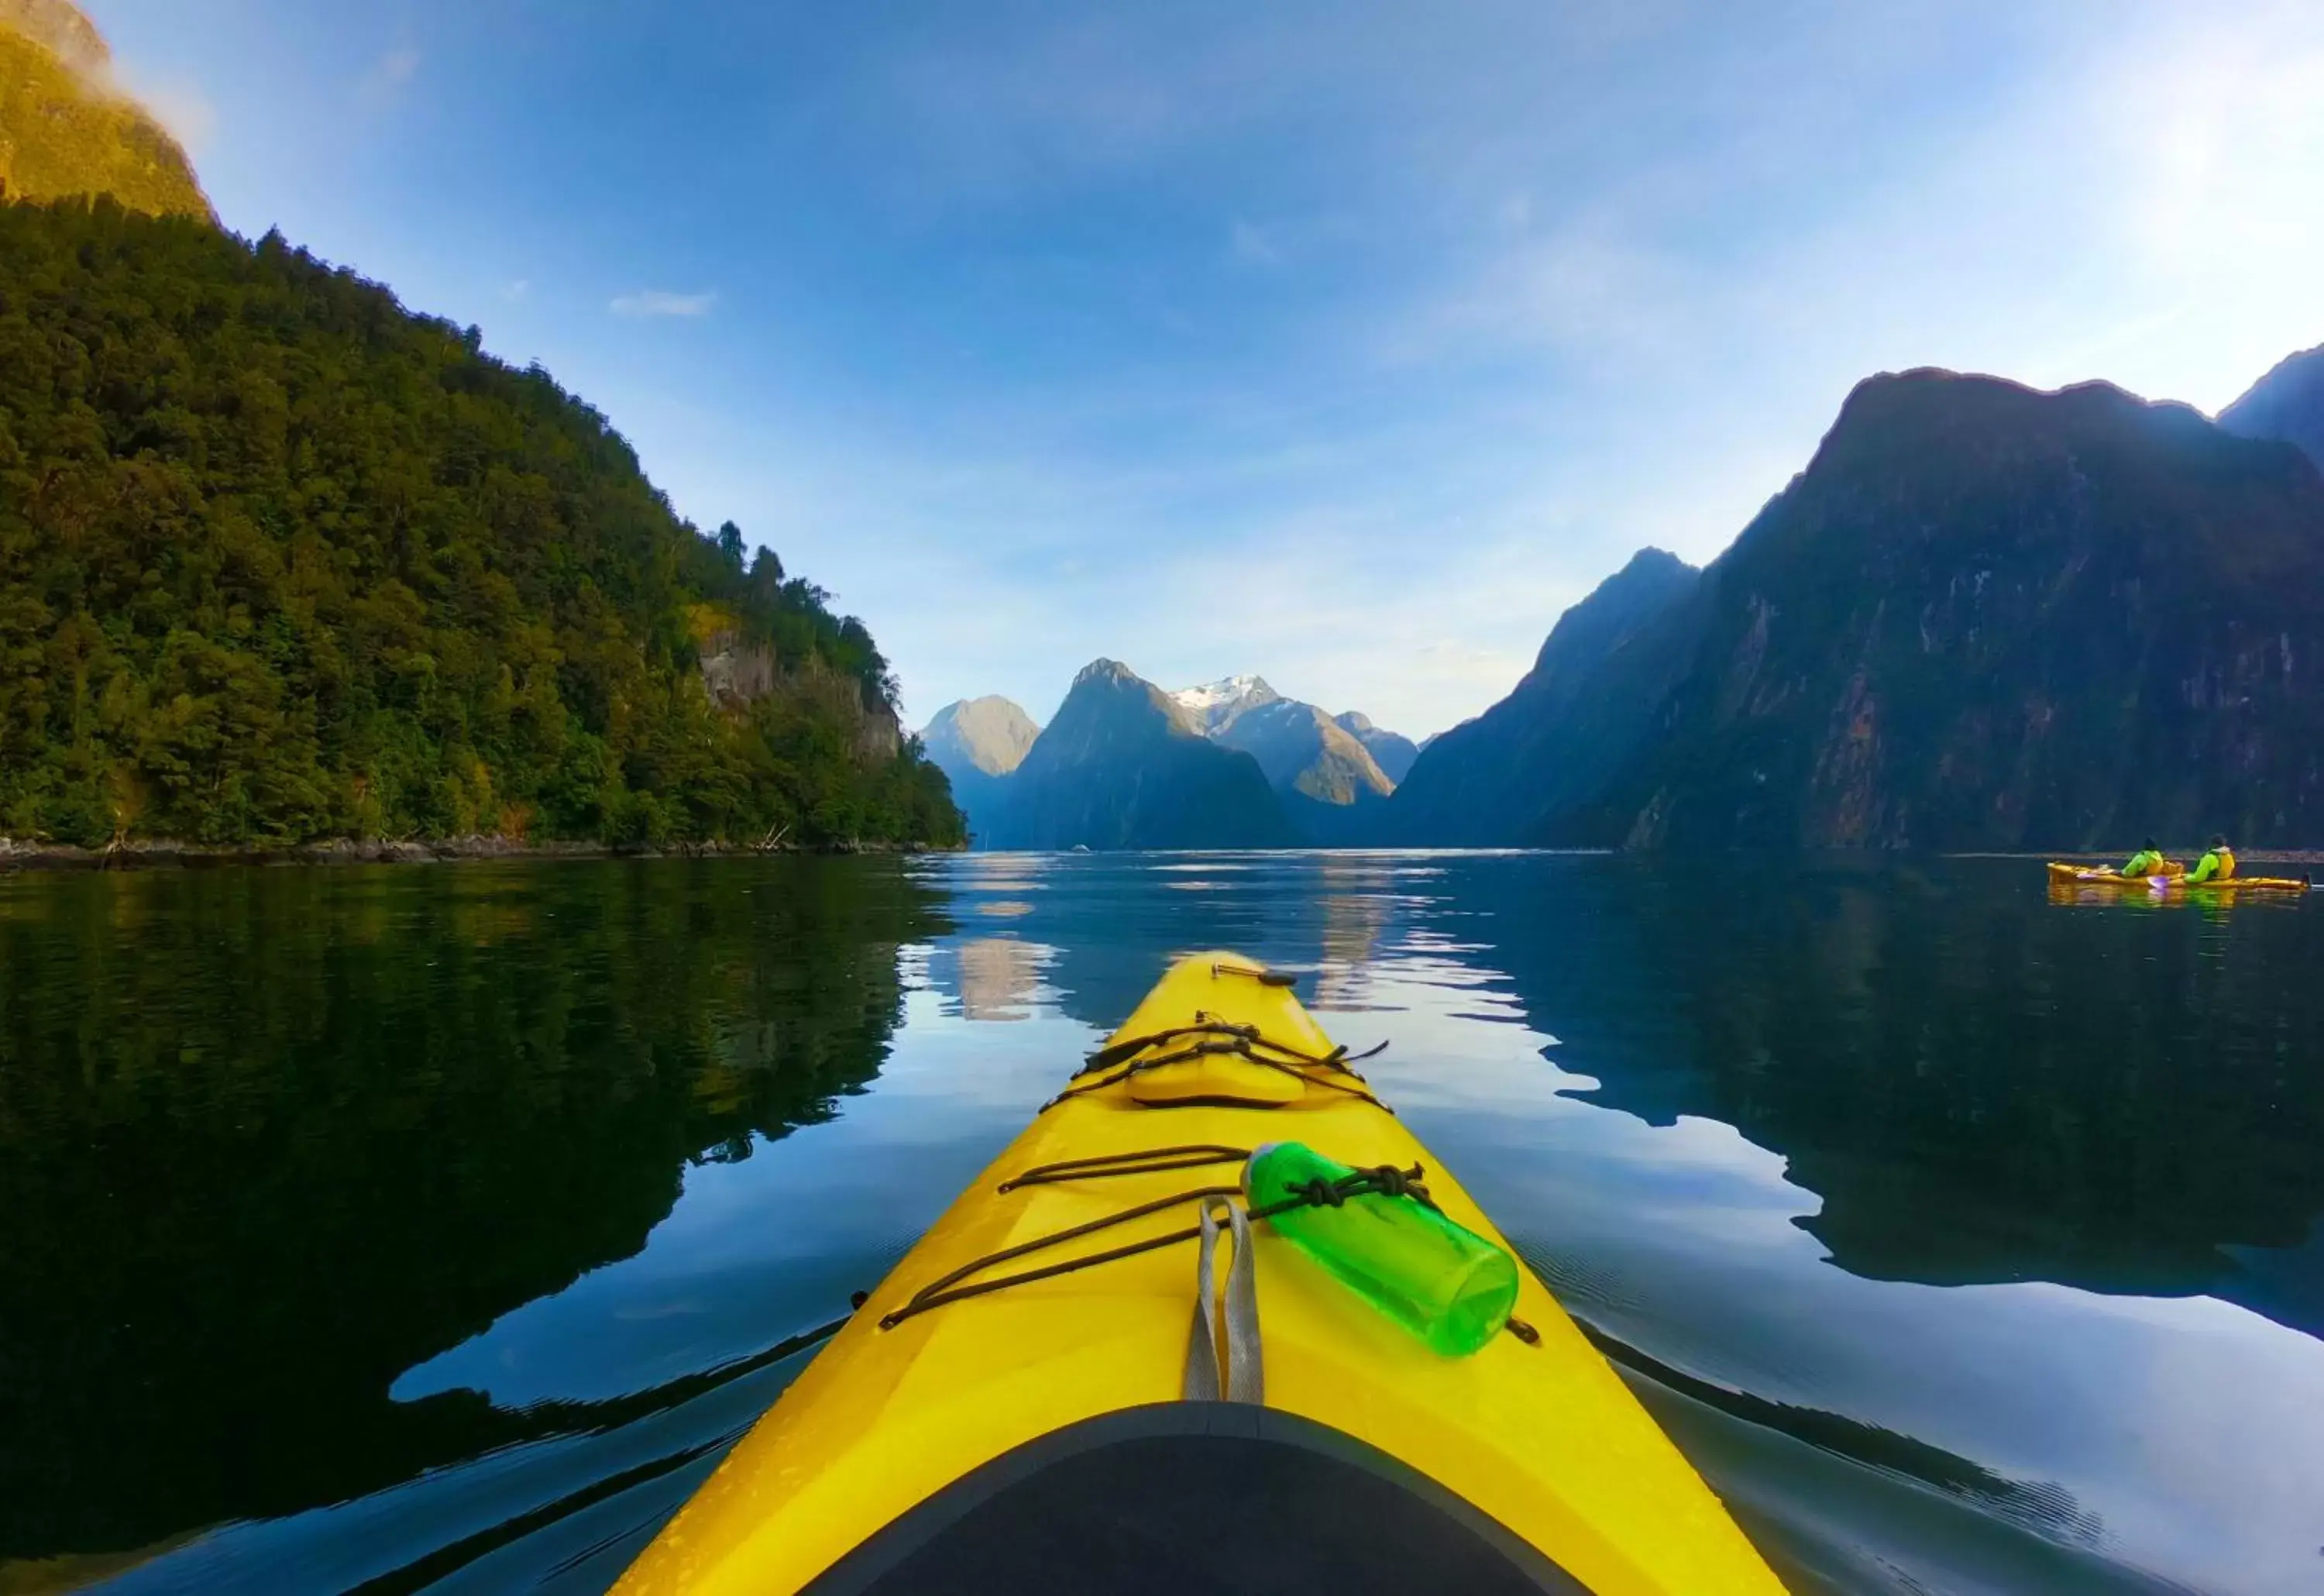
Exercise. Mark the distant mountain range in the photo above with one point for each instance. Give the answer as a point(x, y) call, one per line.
point(1125, 765)
point(1983, 617)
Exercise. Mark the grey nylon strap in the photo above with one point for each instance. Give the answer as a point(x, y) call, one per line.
point(1237, 1313)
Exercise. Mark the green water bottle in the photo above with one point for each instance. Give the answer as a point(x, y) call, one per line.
point(1446, 1283)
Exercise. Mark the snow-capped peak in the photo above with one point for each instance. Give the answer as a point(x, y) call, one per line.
point(1215, 705)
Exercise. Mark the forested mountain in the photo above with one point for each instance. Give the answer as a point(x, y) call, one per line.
point(1984, 616)
point(1569, 727)
point(281, 561)
point(65, 126)
point(978, 744)
point(2288, 403)
point(1124, 766)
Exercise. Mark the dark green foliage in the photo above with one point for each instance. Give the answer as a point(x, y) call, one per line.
point(281, 561)
point(329, 1124)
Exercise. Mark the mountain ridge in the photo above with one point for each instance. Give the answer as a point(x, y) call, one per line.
point(67, 129)
point(978, 744)
point(2287, 404)
point(1392, 752)
point(1987, 616)
point(1124, 765)
point(1500, 778)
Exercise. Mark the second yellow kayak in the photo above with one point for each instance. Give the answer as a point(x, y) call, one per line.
point(1016, 1407)
point(2086, 875)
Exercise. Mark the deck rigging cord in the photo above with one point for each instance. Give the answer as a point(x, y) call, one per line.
point(1220, 1040)
point(956, 1286)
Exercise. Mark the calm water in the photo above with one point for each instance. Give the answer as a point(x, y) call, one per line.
point(439, 1227)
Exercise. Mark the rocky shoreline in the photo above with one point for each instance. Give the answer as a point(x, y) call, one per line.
point(149, 854)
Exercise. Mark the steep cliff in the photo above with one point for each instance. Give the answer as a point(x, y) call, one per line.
point(1985, 616)
point(1392, 752)
point(66, 128)
point(1306, 751)
point(2287, 404)
point(1122, 766)
point(989, 735)
point(1518, 769)
point(1330, 787)
point(978, 744)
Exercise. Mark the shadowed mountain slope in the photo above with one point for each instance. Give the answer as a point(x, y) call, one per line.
point(1985, 616)
point(1554, 742)
point(1121, 765)
point(2288, 403)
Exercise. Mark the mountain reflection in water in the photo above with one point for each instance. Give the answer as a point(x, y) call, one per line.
point(438, 1229)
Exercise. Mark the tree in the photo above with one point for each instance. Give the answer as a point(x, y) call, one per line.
point(281, 561)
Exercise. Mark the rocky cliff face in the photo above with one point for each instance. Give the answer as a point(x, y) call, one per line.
point(59, 27)
point(1124, 766)
point(2287, 404)
point(1392, 752)
point(1554, 743)
point(989, 735)
point(738, 673)
point(1329, 784)
point(1990, 617)
point(1302, 750)
point(735, 671)
point(67, 129)
point(1321, 767)
point(978, 744)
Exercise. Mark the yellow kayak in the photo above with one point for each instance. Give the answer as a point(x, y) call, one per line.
point(2085, 875)
point(1016, 1407)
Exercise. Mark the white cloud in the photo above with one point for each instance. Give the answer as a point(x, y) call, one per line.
point(177, 104)
point(517, 292)
point(655, 301)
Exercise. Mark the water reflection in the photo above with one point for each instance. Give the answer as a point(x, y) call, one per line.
point(449, 1225)
point(268, 1139)
point(992, 978)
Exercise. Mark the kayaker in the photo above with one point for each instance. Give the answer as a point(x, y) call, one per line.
point(2147, 861)
point(2218, 864)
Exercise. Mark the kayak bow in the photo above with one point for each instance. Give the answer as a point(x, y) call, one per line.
point(1010, 1409)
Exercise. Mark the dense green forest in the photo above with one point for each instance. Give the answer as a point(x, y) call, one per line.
point(281, 561)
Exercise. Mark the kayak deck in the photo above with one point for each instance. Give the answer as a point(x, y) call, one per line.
point(926, 1443)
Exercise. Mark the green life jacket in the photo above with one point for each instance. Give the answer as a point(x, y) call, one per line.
point(2218, 864)
point(2145, 861)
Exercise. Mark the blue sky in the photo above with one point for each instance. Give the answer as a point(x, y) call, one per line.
point(1347, 344)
